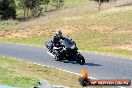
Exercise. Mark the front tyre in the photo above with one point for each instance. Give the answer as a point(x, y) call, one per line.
point(58, 58)
point(80, 59)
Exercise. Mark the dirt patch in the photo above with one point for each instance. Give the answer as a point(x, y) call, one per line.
point(72, 18)
point(46, 31)
point(25, 32)
point(68, 28)
point(101, 28)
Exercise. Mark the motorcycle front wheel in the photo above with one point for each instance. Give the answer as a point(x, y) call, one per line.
point(58, 58)
point(80, 59)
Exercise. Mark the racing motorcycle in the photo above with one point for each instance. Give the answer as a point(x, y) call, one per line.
point(65, 50)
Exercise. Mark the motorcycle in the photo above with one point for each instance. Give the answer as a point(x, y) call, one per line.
point(65, 50)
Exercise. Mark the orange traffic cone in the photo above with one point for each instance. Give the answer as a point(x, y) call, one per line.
point(84, 74)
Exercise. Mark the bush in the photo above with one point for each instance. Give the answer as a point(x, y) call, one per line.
point(57, 3)
point(32, 5)
point(7, 9)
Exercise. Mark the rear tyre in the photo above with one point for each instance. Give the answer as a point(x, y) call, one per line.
point(80, 60)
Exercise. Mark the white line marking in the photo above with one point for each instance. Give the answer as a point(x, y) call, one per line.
point(57, 69)
point(61, 70)
point(65, 71)
point(122, 87)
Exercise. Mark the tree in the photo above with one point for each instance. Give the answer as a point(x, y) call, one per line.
point(57, 3)
point(33, 6)
point(46, 2)
point(100, 2)
point(25, 5)
point(0, 7)
point(7, 9)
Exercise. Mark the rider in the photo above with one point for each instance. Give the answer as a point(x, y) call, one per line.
point(56, 40)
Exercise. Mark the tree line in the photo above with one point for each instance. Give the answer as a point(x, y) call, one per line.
point(33, 7)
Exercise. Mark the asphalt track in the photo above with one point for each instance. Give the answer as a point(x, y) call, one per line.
point(99, 66)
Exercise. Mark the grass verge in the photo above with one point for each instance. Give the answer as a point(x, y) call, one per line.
point(24, 75)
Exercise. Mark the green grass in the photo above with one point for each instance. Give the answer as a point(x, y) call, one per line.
point(101, 42)
point(73, 3)
point(27, 75)
point(114, 18)
point(24, 75)
point(18, 81)
point(8, 76)
point(7, 24)
point(33, 40)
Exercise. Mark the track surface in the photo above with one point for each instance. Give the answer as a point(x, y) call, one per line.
point(99, 66)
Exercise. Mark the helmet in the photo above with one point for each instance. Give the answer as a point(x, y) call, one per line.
point(58, 34)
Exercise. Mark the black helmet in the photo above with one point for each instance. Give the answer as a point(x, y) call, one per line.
point(58, 34)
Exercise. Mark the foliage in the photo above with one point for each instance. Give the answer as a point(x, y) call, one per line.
point(7, 9)
point(46, 2)
point(31, 5)
point(57, 3)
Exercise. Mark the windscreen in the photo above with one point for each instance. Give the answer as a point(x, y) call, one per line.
point(67, 43)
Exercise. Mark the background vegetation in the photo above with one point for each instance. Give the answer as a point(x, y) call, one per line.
point(30, 7)
point(34, 8)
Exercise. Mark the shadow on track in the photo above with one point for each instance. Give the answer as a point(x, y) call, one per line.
point(92, 64)
point(88, 64)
